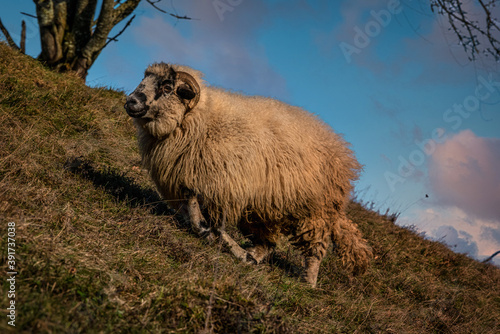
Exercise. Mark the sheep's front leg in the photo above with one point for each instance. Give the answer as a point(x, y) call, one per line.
point(196, 219)
point(200, 227)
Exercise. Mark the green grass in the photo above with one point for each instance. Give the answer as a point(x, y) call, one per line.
point(97, 250)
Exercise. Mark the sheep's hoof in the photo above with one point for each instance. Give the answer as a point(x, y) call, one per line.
point(201, 230)
point(310, 274)
point(304, 278)
point(208, 235)
point(234, 248)
point(257, 254)
point(251, 259)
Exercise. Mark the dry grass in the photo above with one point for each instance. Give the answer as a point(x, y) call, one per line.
point(97, 251)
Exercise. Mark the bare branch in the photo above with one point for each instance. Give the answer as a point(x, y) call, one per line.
point(23, 37)
point(491, 257)
point(185, 17)
point(153, 3)
point(490, 23)
point(10, 41)
point(468, 27)
point(100, 35)
point(124, 10)
point(459, 19)
point(29, 15)
point(114, 38)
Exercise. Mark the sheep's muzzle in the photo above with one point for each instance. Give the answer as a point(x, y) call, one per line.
point(136, 105)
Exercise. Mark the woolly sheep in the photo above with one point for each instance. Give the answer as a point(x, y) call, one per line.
point(266, 166)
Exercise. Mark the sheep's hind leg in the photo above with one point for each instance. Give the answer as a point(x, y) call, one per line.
point(313, 239)
point(313, 256)
point(251, 255)
point(310, 274)
point(263, 236)
point(233, 246)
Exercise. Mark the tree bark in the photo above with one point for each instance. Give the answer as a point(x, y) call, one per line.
point(70, 38)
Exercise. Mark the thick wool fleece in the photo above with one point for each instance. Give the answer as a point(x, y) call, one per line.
point(270, 167)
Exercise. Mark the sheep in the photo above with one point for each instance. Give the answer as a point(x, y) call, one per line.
point(268, 167)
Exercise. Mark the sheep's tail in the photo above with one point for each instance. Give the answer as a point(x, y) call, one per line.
point(350, 245)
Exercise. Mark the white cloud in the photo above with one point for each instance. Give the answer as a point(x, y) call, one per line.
point(464, 234)
point(460, 241)
point(464, 185)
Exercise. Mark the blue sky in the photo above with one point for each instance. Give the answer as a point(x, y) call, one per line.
point(387, 74)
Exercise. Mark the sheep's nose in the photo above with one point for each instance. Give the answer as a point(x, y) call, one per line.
point(136, 105)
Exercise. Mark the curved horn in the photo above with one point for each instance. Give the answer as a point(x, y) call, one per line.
point(191, 81)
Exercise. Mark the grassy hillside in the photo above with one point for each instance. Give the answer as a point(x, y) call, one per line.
point(97, 251)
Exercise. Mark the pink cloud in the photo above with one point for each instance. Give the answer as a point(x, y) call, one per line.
point(464, 172)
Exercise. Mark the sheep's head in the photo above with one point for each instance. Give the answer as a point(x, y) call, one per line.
point(162, 99)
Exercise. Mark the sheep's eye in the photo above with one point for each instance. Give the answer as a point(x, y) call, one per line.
point(167, 83)
point(166, 86)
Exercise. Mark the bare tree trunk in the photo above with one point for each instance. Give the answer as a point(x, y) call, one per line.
point(22, 44)
point(71, 39)
point(70, 36)
point(6, 33)
point(49, 14)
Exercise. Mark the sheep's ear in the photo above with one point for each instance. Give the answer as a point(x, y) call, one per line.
point(185, 92)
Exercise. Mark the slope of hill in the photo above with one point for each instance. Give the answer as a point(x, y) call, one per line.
point(96, 249)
